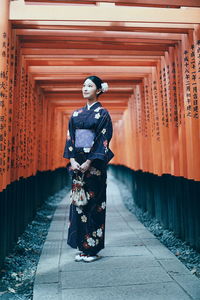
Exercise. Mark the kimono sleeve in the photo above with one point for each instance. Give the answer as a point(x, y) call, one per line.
point(104, 131)
point(69, 145)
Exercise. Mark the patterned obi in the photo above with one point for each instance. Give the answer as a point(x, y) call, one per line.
point(84, 138)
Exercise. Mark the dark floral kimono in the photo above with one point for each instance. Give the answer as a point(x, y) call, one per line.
point(87, 224)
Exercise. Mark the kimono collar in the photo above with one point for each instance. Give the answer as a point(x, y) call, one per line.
point(93, 106)
point(90, 105)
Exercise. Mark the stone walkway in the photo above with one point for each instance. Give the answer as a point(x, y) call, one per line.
point(135, 265)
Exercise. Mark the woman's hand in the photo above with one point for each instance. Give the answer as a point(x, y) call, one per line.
point(74, 164)
point(85, 166)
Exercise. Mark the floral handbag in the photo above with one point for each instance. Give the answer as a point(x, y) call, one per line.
point(78, 196)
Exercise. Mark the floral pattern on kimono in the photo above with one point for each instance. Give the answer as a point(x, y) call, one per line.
point(98, 119)
point(87, 224)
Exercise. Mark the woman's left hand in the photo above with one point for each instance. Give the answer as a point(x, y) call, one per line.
point(85, 166)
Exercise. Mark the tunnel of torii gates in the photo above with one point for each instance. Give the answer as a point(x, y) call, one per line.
point(147, 50)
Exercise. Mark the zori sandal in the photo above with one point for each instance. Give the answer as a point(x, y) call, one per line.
point(88, 258)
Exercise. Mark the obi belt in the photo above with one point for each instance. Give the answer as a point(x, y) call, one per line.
point(84, 138)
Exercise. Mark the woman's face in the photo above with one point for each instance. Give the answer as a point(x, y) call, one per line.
point(89, 89)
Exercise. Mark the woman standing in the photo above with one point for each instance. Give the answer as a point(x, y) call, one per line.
point(87, 147)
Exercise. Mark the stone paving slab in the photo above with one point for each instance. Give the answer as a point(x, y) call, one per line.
point(113, 277)
point(190, 284)
point(153, 291)
point(174, 267)
point(55, 235)
point(134, 264)
point(110, 263)
point(126, 251)
point(50, 276)
point(123, 241)
point(46, 292)
point(51, 247)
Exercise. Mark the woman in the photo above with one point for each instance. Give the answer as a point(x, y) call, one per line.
point(87, 147)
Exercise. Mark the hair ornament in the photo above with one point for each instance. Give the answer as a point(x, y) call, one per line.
point(104, 87)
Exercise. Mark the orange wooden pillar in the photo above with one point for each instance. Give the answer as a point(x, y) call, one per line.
point(4, 90)
point(180, 111)
point(173, 113)
point(155, 123)
point(191, 108)
point(11, 102)
point(161, 124)
point(146, 128)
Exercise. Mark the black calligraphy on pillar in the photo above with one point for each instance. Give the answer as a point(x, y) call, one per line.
point(174, 91)
point(3, 103)
point(143, 107)
point(138, 103)
point(168, 111)
point(187, 84)
point(162, 98)
point(147, 106)
point(165, 74)
point(155, 107)
point(193, 79)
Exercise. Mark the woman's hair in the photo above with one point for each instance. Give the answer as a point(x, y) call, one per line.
point(98, 82)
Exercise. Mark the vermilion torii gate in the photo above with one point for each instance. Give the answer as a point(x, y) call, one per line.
point(150, 58)
point(147, 51)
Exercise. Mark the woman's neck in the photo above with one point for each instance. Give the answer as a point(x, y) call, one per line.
point(90, 102)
